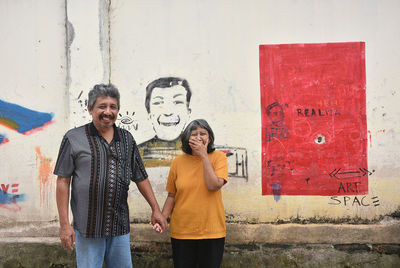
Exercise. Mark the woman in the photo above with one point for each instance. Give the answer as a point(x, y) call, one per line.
point(194, 202)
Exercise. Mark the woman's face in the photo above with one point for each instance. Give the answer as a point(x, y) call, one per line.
point(200, 134)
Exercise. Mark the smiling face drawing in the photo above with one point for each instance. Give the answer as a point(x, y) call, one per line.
point(169, 111)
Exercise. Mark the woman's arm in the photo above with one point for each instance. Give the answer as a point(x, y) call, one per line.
point(168, 205)
point(213, 183)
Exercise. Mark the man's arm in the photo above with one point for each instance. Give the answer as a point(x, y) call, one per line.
point(67, 234)
point(146, 190)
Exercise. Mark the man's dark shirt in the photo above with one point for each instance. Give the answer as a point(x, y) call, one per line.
point(101, 173)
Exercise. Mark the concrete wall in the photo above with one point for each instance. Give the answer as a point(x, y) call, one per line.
point(34, 107)
point(53, 52)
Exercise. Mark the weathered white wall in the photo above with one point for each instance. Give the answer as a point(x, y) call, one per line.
point(32, 75)
point(212, 44)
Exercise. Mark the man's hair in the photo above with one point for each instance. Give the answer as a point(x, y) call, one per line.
point(102, 90)
point(185, 136)
point(166, 82)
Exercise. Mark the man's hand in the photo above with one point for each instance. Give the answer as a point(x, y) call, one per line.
point(67, 237)
point(158, 218)
point(145, 189)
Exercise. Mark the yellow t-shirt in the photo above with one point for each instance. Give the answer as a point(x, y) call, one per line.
point(198, 213)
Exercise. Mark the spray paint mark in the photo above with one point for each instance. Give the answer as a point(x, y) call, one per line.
point(22, 119)
point(44, 176)
point(10, 201)
point(3, 139)
point(276, 191)
point(370, 138)
point(376, 134)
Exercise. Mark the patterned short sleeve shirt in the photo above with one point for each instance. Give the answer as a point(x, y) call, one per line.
point(101, 173)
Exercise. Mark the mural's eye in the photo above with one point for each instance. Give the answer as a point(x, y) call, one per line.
point(126, 120)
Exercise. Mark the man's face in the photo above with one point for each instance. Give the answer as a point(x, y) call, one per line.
point(168, 111)
point(104, 112)
point(276, 115)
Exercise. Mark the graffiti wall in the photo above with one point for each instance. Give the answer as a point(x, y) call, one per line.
point(33, 110)
point(302, 98)
point(305, 152)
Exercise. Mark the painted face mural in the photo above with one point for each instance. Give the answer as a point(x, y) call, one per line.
point(169, 111)
point(275, 113)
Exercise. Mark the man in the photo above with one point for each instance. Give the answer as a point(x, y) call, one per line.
point(100, 160)
point(167, 103)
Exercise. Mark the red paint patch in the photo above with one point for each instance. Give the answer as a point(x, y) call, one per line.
point(29, 132)
point(314, 130)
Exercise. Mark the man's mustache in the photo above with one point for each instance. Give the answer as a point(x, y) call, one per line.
point(106, 116)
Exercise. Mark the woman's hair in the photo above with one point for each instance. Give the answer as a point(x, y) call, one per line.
point(185, 136)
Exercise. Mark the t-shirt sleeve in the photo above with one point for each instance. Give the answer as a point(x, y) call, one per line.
point(65, 161)
point(171, 188)
point(138, 169)
point(221, 166)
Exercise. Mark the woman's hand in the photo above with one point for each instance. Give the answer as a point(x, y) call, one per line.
point(199, 148)
point(157, 227)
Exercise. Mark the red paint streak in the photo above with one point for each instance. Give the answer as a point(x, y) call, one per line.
point(14, 187)
point(44, 176)
point(14, 207)
point(370, 138)
point(314, 119)
point(29, 132)
point(5, 187)
point(376, 134)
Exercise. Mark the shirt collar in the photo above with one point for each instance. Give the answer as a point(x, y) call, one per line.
point(94, 132)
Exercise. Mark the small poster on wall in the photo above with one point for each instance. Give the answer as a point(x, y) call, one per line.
point(314, 129)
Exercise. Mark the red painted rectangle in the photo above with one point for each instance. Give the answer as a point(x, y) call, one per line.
point(314, 130)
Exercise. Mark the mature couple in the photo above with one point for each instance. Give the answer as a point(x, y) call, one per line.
point(97, 161)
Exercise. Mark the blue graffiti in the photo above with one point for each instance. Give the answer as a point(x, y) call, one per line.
point(277, 190)
point(22, 119)
point(7, 199)
point(3, 138)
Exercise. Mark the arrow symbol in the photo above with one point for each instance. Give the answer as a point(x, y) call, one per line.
point(365, 171)
point(349, 174)
point(334, 172)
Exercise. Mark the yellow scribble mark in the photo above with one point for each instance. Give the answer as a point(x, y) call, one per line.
point(8, 123)
point(44, 176)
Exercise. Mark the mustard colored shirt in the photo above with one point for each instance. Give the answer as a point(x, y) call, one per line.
point(198, 213)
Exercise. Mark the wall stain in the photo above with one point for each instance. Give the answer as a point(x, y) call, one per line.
point(45, 176)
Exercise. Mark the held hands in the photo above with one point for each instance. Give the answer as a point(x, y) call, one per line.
point(158, 222)
point(157, 228)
